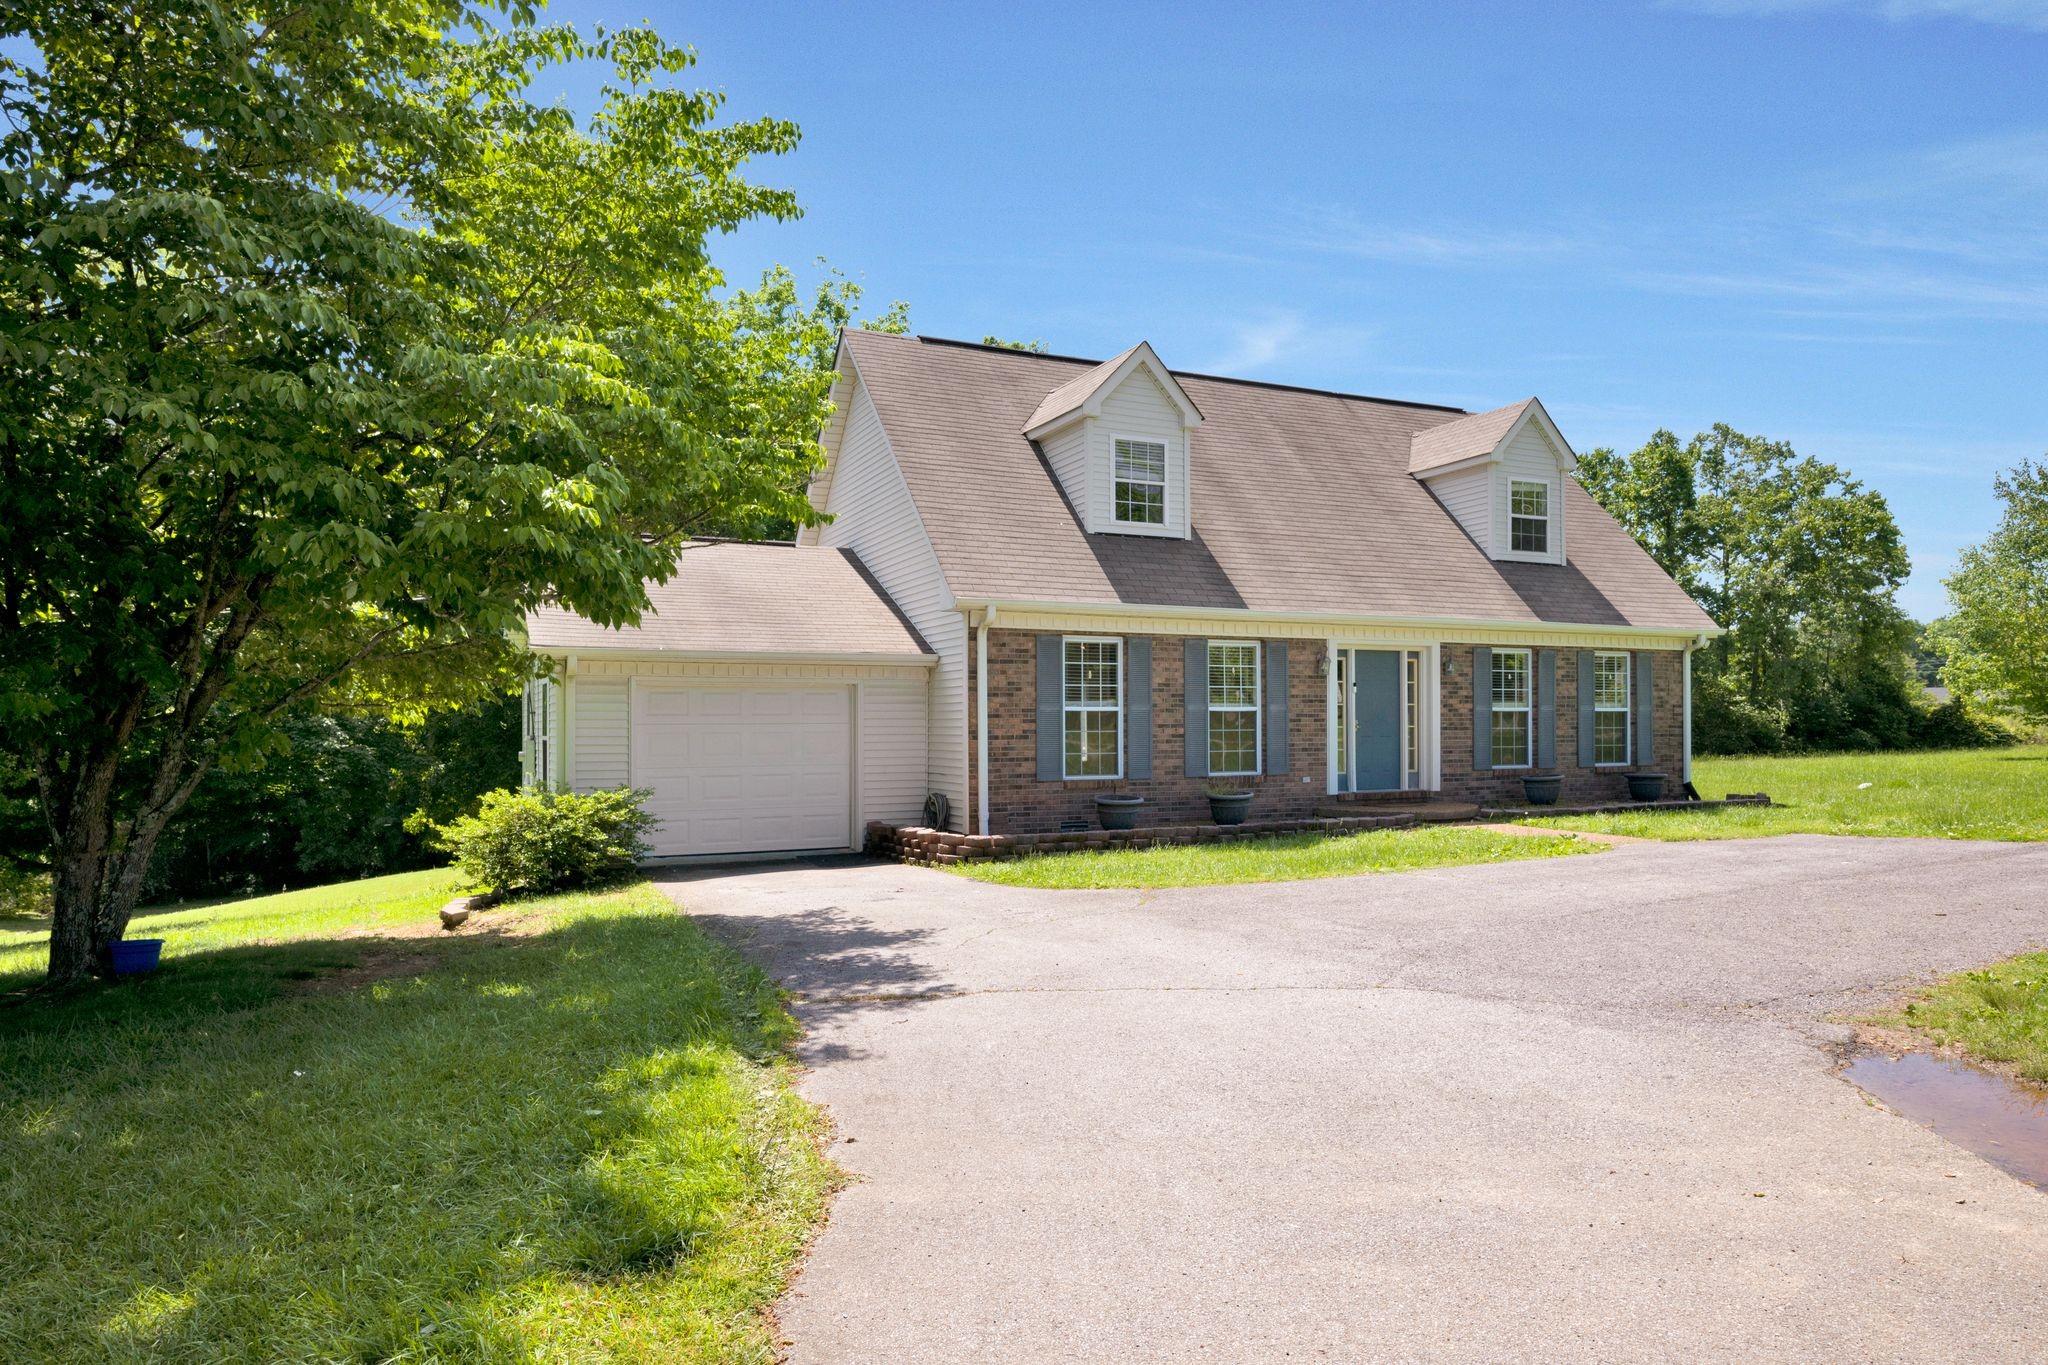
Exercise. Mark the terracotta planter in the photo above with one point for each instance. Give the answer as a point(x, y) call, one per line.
point(1118, 812)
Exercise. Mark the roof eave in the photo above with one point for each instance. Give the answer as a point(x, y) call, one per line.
point(1332, 618)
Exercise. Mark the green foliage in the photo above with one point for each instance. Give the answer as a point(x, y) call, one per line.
point(24, 891)
point(1998, 1013)
point(569, 1137)
point(325, 355)
point(1034, 346)
point(1995, 638)
point(1800, 563)
point(539, 841)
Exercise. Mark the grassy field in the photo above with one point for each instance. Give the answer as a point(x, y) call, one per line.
point(1960, 794)
point(328, 1131)
point(1289, 858)
point(1999, 1013)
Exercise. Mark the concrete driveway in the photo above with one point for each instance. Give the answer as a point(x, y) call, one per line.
point(1579, 1108)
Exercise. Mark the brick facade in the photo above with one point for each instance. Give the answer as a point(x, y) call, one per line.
point(1464, 782)
point(1021, 804)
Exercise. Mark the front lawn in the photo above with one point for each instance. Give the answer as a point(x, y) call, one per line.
point(328, 1131)
point(1955, 794)
point(1292, 857)
point(1998, 1014)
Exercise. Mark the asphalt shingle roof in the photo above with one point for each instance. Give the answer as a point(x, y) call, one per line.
point(1302, 502)
point(772, 598)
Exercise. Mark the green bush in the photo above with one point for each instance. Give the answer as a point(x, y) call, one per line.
point(24, 891)
point(541, 841)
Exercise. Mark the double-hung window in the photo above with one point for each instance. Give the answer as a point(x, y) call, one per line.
point(1093, 685)
point(1528, 517)
point(1610, 708)
point(1140, 482)
point(1512, 691)
point(1233, 708)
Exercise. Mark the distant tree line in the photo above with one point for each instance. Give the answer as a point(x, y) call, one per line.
point(1801, 564)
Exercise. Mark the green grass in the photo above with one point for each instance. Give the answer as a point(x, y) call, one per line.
point(1999, 1014)
point(565, 1133)
point(1958, 794)
point(1293, 857)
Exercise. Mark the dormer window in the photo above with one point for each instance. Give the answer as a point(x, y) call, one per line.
point(1140, 482)
point(1528, 517)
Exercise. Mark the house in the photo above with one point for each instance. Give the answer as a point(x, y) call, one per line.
point(1043, 578)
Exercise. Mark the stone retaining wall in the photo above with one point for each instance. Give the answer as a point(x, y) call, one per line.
point(937, 847)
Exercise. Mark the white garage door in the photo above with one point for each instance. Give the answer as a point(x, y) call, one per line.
point(746, 769)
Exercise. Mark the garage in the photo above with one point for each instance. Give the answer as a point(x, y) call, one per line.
point(738, 769)
point(771, 701)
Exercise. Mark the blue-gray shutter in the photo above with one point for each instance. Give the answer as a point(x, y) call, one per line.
point(1275, 699)
point(1587, 670)
point(1195, 683)
point(1138, 706)
point(1546, 708)
point(1482, 707)
point(1052, 730)
point(1646, 712)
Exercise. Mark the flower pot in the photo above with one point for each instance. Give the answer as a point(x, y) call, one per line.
point(1118, 812)
point(134, 956)
point(1646, 786)
point(1229, 808)
point(1542, 789)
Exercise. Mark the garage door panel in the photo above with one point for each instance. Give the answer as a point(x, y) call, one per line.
point(741, 770)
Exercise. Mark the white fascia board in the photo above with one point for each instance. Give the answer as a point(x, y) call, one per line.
point(1143, 354)
point(1458, 466)
point(1448, 624)
point(740, 656)
point(1536, 413)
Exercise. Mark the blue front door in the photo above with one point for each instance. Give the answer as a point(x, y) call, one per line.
point(1376, 720)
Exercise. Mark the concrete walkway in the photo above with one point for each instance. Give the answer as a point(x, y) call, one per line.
point(1574, 1108)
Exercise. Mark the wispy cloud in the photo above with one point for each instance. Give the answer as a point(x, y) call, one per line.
point(2031, 14)
point(1342, 233)
point(1877, 290)
point(1286, 338)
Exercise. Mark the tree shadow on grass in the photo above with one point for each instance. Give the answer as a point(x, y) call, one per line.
point(536, 1138)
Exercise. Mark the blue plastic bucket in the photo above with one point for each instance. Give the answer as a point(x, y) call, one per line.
point(134, 956)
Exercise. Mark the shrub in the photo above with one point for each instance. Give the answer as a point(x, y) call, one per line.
point(548, 841)
point(24, 891)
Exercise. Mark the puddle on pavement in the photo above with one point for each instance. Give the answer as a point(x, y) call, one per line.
point(2003, 1121)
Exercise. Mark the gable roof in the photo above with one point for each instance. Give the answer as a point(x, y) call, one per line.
point(1464, 439)
point(728, 597)
point(1302, 503)
point(1082, 393)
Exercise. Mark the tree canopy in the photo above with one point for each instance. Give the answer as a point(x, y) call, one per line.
point(325, 355)
point(1798, 561)
point(1995, 638)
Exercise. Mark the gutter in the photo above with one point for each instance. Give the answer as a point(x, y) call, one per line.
point(737, 656)
point(987, 618)
point(1330, 618)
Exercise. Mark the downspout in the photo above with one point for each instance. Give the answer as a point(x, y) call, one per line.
point(988, 614)
point(1685, 771)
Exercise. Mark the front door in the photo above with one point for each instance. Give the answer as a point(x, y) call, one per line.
point(1377, 716)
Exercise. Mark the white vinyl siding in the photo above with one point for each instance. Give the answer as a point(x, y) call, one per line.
point(1464, 495)
point(1531, 458)
point(1067, 452)
point(876, 519)
point(1138, 409)
point(601, 730)
point(540, 731)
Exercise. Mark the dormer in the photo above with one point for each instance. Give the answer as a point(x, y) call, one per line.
point(1502, 475)
point(1117, 438)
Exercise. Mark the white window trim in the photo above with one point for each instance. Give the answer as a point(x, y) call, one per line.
point(1067, 707)
point(1165, 522)
point(1527, 708)
point(1628, 696)
point(1549, 553)
point(1257, 708)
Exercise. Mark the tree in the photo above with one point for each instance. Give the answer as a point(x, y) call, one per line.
point(1799, 561)
point(324, 356)
point(1995, 636)
point(1035, 347)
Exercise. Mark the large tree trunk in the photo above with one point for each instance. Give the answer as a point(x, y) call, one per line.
point(98, 880)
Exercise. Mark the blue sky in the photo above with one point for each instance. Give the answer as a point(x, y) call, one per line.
point(1816, 221)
